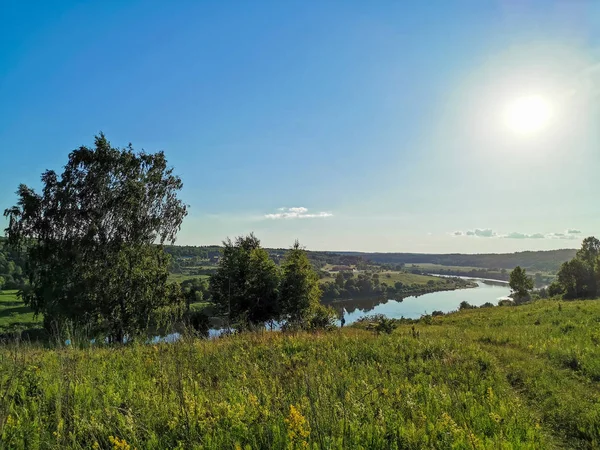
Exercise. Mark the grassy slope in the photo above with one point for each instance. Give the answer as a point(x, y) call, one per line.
point(403, 277)
point(523, 377)
point(14, 315)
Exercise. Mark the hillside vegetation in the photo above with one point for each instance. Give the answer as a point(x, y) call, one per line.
point(543, 261)
point(503, 377)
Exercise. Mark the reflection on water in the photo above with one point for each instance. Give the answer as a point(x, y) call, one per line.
point(415, 306)
point(411, 307)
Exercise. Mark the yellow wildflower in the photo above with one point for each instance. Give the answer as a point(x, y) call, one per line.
point(490, 394)
point(253, 400)
point(298, 427)
point(119, 444)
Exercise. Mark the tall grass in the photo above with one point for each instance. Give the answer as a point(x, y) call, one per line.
point(488, 378)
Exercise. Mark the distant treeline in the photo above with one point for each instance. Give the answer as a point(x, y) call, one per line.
point(187, 255)
point(544, 261)
point(346, 286)
point(547, 261)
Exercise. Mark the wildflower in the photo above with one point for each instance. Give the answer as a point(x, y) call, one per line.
point(490, 394)
point(298, 428)
point(253, 399)
point(119, 444)
point(495, 417)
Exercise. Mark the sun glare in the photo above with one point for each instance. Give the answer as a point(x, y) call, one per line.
point(528, 115)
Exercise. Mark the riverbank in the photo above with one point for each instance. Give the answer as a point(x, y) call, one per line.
point(483, 378)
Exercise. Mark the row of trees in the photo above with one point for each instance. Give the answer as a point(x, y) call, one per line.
point(580, 277)
point(366, 284)
point(577, 278)
point(251, 290)
point(94, 242)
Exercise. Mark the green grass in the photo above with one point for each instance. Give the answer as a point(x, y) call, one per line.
point(433, 267)
point(394, 276)
point(14, 315)
point(406, 278)
point(504, 377)
point(179, 277)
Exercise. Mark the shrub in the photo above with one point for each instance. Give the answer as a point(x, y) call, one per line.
point(465, 305)
point(323, 318)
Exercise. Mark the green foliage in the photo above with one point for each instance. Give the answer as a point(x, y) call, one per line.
point(90, 239)
point(299, 290)
point(12, 263)
point(395, 285)
point(545, 261)
point(580, 277)
point(520, 283)
point(465, 305)
point(523, 377)
point(322, 318)
point(245, 285)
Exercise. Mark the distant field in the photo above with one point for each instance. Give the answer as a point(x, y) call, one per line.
point(433, 267)
point(405, 278)
point(391, 277)
point(179, 277)
point(14, 315)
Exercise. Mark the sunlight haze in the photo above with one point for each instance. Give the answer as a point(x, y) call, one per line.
point(395, 126)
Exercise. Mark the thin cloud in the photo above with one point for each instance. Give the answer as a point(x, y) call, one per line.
point(298, 212)
point(515, 235)
point(570, 234)
point(565, 236)
point(478, 232)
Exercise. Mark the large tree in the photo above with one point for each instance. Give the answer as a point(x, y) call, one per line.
point(94, 238)
point(299, 292)
point(245, 285)
point(580, 277)
point(520, 283)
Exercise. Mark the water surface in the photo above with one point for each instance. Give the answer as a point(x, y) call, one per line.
point(415, 306)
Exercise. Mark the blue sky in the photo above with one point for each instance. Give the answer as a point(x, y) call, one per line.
point(371, 126)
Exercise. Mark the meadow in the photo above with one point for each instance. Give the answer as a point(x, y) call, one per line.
point(502, 377)
point(14, 315)
point(391, 277)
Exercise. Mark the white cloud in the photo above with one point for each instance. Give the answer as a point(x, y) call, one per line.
point(515, 235)
point(486, 232)
point(570, 234)
point(298, 212)
point(565, 236)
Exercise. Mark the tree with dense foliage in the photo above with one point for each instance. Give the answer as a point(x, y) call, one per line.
point(194, 290)
point(299, 291)
point(580, 277)
point(520, 283)
point(575, 278)
point(245, 285)
point(93, 239)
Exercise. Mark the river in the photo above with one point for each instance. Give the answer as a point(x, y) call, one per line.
point(415, 306)
point(411, 307)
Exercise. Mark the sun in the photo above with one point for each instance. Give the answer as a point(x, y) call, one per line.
point(528, 115)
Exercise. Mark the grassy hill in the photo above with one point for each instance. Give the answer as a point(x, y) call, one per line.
point(503, 377)
point(543, 261)
point(14, 315)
